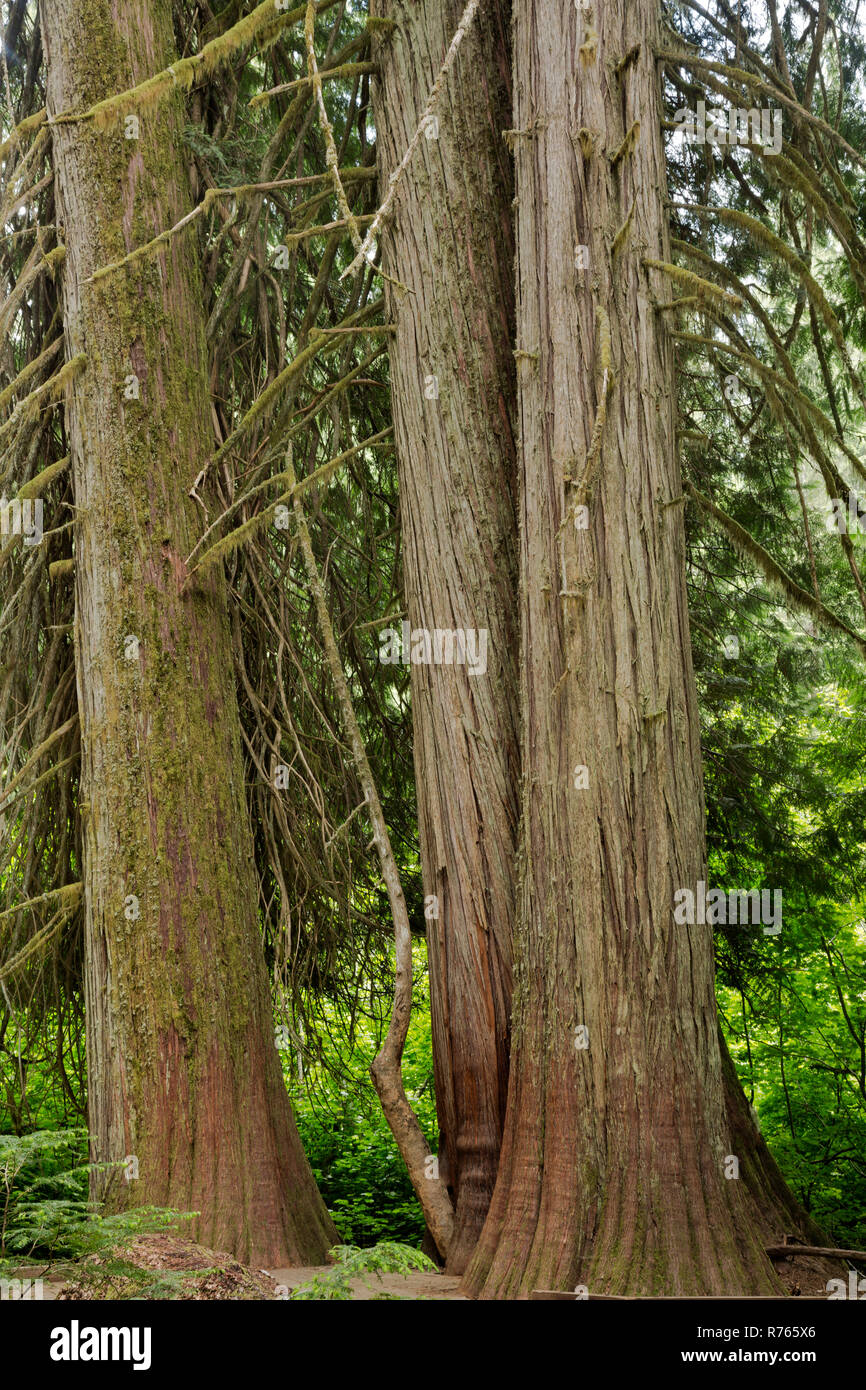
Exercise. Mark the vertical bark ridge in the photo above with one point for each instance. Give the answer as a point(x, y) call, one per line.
point(183, 1072)
point(613, 1165)
point(450, 241)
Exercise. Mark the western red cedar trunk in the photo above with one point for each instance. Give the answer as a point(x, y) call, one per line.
point(183, 1074)
point(450, 242)
point(617, 1141)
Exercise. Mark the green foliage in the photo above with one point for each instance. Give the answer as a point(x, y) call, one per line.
point(45, 1212)
point(347, 1140)
point(387, 1257)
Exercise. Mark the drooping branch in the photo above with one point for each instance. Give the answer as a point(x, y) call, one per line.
point(757, 84)
point(772, 572)
point(230, 542)
point(263, 25)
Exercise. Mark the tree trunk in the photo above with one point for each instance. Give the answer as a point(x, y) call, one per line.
point(184, 1078)
point(616, 1168)
point(450, 242)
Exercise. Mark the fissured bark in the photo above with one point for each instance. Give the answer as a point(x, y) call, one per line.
point(184, 1079)
point(450, 242)
point(616, 1168)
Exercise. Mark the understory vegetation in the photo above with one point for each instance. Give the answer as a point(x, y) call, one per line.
point(769, 323)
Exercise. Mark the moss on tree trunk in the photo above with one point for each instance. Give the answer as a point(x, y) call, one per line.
point(182, 1070)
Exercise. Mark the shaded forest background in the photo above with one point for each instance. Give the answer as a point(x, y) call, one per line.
point(772, 415)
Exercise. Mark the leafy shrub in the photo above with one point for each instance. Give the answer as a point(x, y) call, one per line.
point(387, 1257)
point(345, 1135)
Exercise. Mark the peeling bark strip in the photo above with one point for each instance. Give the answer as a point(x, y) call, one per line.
point(613, 1168)
point(449, 238)
point(183, 1072)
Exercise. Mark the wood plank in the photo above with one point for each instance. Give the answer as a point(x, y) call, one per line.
point(781, 1252)
point(541, 1295)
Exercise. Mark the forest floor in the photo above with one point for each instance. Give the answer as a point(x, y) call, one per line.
point(411, 1286)
point(418, 1285)
point(179, 1268)
point(164, 1266)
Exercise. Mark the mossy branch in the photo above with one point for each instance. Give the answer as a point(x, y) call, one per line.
point(780, 249)
point(704, 290)
point(783, 384)
point(70, 898)
point(36, 486)
point(37, 781)
point(630, 56)
point(584, 485)
point(24, 128)
point(343, 71)
point(31, 272)
point(36, 757)
point(32, 369)
point(235, 538)
point(49, 393)
point(264, 24)
point(298, 364)
point(66, 899)
point(377, 25)
point(331, 156)
point(622, 235)
point(628, 145)
point(149, 248)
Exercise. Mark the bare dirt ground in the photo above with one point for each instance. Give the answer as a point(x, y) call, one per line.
point(420, 1285)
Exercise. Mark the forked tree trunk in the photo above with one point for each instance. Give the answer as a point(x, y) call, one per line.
point(450, 242)
point(617, 1142)
point(183, 1074)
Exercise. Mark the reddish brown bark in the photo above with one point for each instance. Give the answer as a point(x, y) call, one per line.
point(615, 1154)
point(183, 1074)
point(450, 242)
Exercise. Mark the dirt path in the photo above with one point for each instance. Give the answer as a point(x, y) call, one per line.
point(419, 1285)
point(410, 1286)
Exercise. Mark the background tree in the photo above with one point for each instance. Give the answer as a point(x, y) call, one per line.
point(448, 242)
